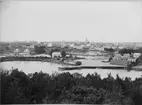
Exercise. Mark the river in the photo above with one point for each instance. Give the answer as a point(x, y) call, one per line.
point(34, 66)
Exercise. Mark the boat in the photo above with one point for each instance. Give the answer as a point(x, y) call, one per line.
point(105, 61)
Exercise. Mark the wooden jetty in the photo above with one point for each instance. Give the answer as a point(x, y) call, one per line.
point(91, 67)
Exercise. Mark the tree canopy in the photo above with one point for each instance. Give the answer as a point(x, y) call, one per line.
point(125, 51)
point(65, 88)
point(40, 49)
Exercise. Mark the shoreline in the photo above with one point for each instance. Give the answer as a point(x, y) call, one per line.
point(40, 59)
point(71, 64)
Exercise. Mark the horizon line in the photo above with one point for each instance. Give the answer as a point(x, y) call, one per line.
point(75, 41)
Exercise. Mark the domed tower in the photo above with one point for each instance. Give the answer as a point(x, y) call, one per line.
point(86, 41)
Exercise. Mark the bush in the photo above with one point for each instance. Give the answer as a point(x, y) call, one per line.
point(109, 49)
point(126, 51)
point(40, 49)
point(78, 63)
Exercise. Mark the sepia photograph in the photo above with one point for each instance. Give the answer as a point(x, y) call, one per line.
point(71, 52)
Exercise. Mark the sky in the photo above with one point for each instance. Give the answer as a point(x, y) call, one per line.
point(71, 21)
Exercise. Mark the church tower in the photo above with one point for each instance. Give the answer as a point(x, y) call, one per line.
point(86, 41)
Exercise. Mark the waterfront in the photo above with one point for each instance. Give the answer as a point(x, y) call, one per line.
point(33, 66)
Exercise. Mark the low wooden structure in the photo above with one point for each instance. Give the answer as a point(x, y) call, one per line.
point(90, 67)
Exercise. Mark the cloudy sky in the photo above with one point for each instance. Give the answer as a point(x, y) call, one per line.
point(71, 20)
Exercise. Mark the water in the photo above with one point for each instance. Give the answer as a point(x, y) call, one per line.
point(33, 66)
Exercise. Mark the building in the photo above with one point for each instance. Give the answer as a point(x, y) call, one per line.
point(99, 48)
point(86, 41)
point(78, 47)
point(118, 60)
point(125, 59)
point(49, 45)
point(120, 47)
point(16, 52)
point(42, 55)
point(31, 46)
point(56, 55)
point(136, 55)
point(26, 52)
point(22, 52)
point(88, 45)
point(138, 44)
point(63, 44)
point(72, 45)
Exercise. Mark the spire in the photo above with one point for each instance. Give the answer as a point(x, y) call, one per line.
point(86, 40)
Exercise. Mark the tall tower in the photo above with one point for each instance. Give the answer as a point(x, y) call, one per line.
point(86, 41)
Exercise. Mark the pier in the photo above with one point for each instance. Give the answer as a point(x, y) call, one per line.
point(90, 67)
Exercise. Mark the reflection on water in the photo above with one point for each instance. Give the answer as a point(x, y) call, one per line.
point(33, 66)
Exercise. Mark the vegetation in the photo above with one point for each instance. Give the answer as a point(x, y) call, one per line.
point(78, 63)
point(66, 88)
point(109, 49)
point(40, 49)
point(63, 53)
point(125, 51)
point(139, 50)
point(140, 58)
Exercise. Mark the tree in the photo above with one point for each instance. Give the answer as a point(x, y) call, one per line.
point(140, 58)
point(50, 53)
point(39, 49)
point(109, 49)
point(63, 53)
point(20, 88)
point(125, 51)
